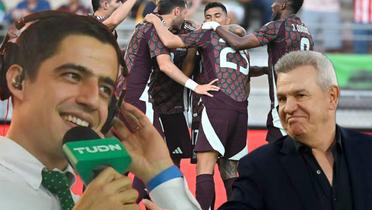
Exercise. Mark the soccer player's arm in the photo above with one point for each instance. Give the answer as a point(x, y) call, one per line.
point(167, 66)
point(238, 42)
point(189, 62)
point(160, 52)
point(119, 14)
point(235, 28)
point(170, 69)
point(256, 71)
point(169, 40)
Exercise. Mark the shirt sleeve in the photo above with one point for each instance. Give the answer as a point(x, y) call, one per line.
point(199, 38)
point(156, 47)
point(268, 32)
point(169, 190)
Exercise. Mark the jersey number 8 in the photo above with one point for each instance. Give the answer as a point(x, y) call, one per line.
point(305, 44)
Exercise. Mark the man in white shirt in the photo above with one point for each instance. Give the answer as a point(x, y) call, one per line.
point(60, 73)
point(66, 81)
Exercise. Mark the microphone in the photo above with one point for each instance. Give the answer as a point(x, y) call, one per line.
point(89, 154)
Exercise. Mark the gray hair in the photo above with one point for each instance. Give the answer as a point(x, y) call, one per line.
point(324, 67)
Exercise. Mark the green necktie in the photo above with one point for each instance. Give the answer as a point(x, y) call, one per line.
point(58, 184)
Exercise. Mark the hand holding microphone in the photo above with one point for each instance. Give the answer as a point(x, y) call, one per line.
point(88, 153)
point(110, 191)
point(100, 163)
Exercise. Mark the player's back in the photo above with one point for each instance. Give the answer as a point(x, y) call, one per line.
point(231, 68)
point(138, 60)
point(292, 35)
point(281, 37)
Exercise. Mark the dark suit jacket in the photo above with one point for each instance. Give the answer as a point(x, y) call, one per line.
point(274, 177)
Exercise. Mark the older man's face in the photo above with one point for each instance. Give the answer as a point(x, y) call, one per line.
point(304, 107)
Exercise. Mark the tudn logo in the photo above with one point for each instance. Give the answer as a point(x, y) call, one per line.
point(96, 149)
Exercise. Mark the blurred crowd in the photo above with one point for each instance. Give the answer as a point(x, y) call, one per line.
point(325, 18)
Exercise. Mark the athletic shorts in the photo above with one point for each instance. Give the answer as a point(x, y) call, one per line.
point(275, 129)
point(176, 134)
point(224, 131)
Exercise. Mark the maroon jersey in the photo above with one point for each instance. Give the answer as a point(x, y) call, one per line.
point(101, 19)
point(140, 58)
point(281, 37)
point(230, 67)
point(167, 96)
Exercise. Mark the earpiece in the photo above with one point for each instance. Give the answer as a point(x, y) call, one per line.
point(9, 51)
point(8, 54)
point(17, 82)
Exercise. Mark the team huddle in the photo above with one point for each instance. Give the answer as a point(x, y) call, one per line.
point(165, 51)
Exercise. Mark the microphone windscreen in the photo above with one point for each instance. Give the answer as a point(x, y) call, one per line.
point(87, 153)
point(80, 133)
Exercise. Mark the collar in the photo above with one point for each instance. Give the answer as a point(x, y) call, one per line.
point(301, 148)
point(99, 17)
point(17, 159)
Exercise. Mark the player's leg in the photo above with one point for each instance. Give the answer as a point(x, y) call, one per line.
point(205, 191)
point(138, 185)
point(197, 107)
point(235, 149)
point(229, 173)
point(213, 131)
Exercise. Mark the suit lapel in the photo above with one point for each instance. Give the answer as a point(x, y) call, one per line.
point(354, 161)
point(298, 175)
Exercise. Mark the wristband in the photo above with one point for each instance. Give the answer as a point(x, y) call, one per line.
point(191, 84)
point(166, 175)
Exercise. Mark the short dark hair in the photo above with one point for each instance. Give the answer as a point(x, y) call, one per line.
point(96, 4)
point(166, 6)
point(213, 5)
point(41, 39)
point(296, 5)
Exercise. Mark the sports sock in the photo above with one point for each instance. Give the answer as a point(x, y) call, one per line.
point(205, 192)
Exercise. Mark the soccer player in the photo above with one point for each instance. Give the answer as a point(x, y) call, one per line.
point(223, 128)
point(146, 53)
point(112, 12)
point(284, 34)
point(169, 100)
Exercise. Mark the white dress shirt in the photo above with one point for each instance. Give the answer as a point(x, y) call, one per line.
point(20, 180)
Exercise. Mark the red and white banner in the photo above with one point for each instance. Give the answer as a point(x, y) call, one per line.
point(363, 11)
